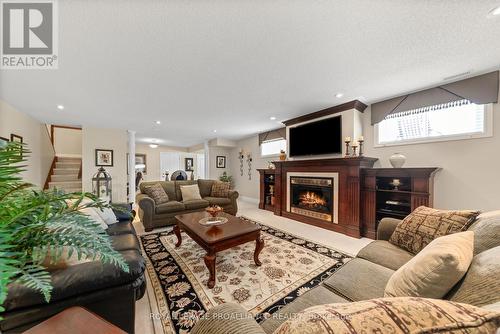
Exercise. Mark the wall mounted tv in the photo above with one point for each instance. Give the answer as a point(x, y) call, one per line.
point(316, 138)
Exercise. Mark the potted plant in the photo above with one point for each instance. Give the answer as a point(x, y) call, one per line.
point(226, 178)
point(38, 227)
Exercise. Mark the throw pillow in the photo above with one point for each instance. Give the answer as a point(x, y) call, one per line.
point(190, 192)
point(393, 315)
point(220, 189)
point(157, 193)
point(425, 224)
point(92, 213)
point(435, 270)
point(107, 215)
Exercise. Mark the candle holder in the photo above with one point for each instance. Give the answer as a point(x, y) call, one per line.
point(354, 148)
point(347, 142)
point(361, 141)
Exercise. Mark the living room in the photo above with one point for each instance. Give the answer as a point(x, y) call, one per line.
point(249, 167)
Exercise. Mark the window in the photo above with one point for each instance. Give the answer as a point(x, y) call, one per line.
point(272, 147)
point(454, 120)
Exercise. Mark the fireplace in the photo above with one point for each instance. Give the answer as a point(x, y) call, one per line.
point(312, 196)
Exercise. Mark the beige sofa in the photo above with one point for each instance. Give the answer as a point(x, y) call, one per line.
point(153, 215)
point(366, 276)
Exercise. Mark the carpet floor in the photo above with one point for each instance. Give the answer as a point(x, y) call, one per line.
point(178, 293)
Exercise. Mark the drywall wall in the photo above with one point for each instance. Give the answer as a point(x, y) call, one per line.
point(213, 171)
point(108, 139)
point(68, 142)
point(37, 138)
point(153, 158)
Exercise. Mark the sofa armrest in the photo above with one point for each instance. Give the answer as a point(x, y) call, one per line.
point(233, 194)
point(386, 227)
point(147, 210)
point(227, 318)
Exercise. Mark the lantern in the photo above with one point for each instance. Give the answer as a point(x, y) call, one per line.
point(101, 185)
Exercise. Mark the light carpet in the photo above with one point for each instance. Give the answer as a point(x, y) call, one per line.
point(178, 294)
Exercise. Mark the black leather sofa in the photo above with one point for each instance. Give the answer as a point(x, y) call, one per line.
point(103, 289)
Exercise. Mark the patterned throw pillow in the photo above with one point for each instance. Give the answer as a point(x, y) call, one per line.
point(425, 224)
point(393, 315)
point(220, 189)
point(157, 193)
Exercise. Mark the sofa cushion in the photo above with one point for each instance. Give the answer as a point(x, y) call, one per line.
point(425, 224)
point(481, 284)
point(205, 187)
point(123, 227)
point(359, 279)
point(386, 254)
point(123, 242)
point(157, 193)
point(190, 192)
point(196, 204)
point(220, 189)
point(217, 200)
point(434, 270)
point(316, 296)
point(179, 184)
point(486, 231)
point(393, 315)
point(171, 206)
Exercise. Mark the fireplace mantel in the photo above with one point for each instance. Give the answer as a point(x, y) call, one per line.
point(349, 190)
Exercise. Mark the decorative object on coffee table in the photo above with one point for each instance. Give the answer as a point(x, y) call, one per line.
point(397, 160)
point(103, 158)
point(214, 210)
point(218, 238)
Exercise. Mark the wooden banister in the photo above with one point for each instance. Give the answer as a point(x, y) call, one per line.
point(51, 171)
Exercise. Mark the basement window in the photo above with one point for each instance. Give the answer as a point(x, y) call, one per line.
point(451, 121)
point(270, 148)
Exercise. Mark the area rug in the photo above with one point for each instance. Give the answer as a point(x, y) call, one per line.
point(178, 293)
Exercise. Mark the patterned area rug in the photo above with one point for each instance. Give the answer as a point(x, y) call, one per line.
point(178, 293)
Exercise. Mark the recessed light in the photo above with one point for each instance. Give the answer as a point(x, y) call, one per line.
point(153, 145)
point(158, 122)
point(339, 95)
point(215, 131)
point(60, 107)
point(495, 11)
point(272, 118)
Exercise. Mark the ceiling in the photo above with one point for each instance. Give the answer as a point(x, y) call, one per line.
point(199, 66)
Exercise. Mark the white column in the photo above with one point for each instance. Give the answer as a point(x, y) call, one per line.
point(131, 166)
point(207, 159)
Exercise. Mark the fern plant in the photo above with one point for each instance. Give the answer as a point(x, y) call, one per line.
point(37, 224)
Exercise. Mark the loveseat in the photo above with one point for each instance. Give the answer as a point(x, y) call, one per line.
point(366, 276)
point(101, 288)
point(153, 215)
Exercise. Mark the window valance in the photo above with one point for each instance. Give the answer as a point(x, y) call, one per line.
point(272, 135)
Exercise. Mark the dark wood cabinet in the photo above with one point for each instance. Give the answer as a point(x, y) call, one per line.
point(393, 192)
point(267, 198)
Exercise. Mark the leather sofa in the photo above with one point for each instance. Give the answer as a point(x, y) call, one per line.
point(103, 289)
point(366, 276)
point(153, 215)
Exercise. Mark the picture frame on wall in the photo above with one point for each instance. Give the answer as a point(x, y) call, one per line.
point(103, 158)
point(220, 161)
point(189, 164)
point(15, 138)
point(140, 163)
point(3, 142)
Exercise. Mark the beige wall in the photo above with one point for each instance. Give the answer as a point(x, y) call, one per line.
point(153, 158)
point(68, 142)
point(213, 172)
point(109, 139)
point(37, 138)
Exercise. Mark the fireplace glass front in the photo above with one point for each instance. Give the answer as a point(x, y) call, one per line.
point(312, 197)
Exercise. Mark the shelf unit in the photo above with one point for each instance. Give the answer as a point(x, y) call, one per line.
point(267, 198)
point(394, 193)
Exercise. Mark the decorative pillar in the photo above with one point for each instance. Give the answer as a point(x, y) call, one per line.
point(207, 159)
point(131, 166)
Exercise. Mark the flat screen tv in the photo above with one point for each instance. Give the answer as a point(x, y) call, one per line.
point(316, 138)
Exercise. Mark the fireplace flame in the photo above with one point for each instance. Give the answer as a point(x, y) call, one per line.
point(311, 199)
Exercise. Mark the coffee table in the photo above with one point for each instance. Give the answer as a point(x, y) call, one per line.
point(214, 239)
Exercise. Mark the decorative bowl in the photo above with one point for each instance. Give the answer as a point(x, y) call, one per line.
point(214, 210)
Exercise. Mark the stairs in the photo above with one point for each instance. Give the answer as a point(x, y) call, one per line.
point(64, 175)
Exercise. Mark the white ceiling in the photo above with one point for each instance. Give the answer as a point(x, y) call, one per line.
point(229, 65)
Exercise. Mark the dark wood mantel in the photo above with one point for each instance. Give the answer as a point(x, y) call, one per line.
point(349, 191)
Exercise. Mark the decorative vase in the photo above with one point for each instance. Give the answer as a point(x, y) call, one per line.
point(397, 160)
point(282, 156)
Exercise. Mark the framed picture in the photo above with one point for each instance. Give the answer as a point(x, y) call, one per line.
point(188, 162)
point(221, 161)
point(3, 142)
point(16, 138)
point(103, 157)
point(140, 163)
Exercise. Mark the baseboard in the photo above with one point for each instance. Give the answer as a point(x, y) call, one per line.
point(249, 199)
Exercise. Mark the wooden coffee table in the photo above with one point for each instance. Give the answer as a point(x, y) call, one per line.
point(218, 238)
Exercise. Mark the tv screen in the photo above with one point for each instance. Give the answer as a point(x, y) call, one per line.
point(316, 138)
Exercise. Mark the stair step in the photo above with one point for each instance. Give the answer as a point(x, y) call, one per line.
point(64, 177)
point(65, 171)
point(68, 165)
point(70, 160)
point(66, 184)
